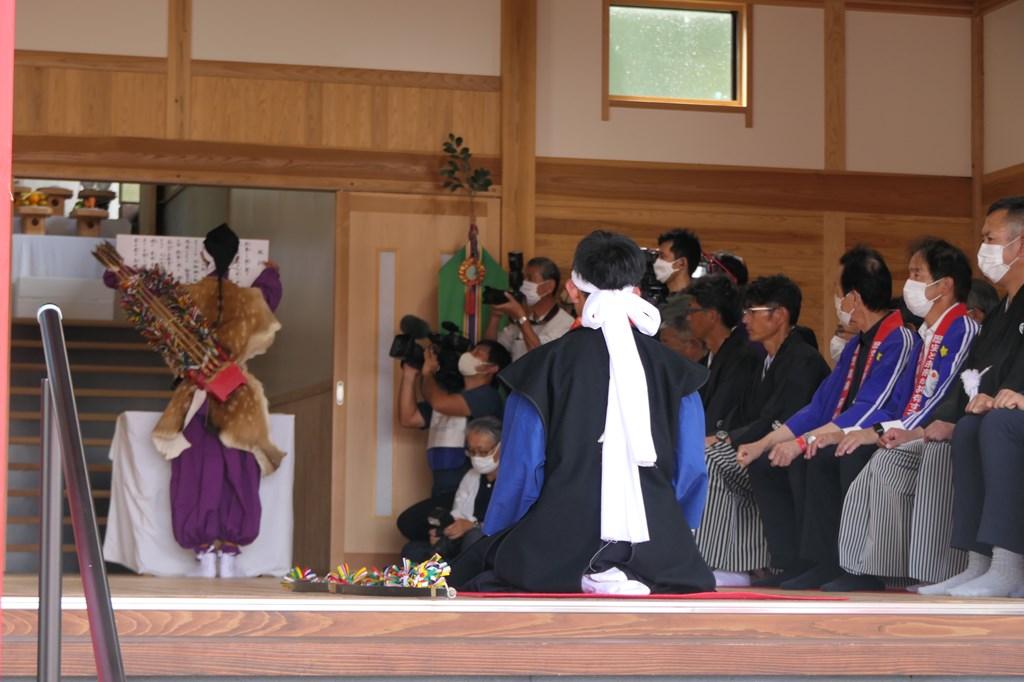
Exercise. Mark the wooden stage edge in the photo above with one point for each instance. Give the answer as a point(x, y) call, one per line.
point(254, 628)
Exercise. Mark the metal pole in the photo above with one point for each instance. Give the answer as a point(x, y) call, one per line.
point(50, 529)
point(102, 627)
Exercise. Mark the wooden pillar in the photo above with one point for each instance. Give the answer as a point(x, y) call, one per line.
point(835, 85)
point(518, 124)
point(179, 67)
point(6, 151)
point(339, 421)
point(977, 124)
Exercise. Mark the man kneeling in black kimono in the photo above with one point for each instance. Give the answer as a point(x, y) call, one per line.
point(603, 471)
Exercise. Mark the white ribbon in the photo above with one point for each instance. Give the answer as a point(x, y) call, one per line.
point(627, 442)
point(971, 379)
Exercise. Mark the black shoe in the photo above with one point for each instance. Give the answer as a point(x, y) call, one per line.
point(777, 579)
point(847, 582)
point(812, 579)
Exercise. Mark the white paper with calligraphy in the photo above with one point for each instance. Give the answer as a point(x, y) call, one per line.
point(185, 258)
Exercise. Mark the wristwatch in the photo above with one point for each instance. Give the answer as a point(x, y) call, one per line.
point(879, 429)
point(522, 320)
point(722, 436)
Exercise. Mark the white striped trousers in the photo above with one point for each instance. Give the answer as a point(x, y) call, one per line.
point(898, 516)
point(730, 537)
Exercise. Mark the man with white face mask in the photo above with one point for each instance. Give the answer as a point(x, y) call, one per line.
point(899, 505)
point(540, 320)
point(679, 254)
point(986, 423)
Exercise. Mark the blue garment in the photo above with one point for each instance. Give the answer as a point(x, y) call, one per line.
point(946, 367)
point(874, 401)
point(521, 476)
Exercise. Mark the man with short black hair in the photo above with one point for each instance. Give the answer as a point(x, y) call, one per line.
point(858, 393)
point(982, 300)
point(731, 537)
point(539, 319)
point(714, 317)
point(603, 471)
point(878, 527)
point(679, 254)
point(986, 425)
point(676, 335)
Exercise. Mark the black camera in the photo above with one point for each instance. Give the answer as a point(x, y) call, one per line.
point(651, 289)
point(439, 519)
point(516, 277)
point(415, 334)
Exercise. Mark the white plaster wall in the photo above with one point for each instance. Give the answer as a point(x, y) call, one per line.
point(908, 93)
point(128, 27)
point(446, 36)
point(1004, 87)
point(788, 97)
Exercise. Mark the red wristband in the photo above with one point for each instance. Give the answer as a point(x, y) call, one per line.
point(802, 442)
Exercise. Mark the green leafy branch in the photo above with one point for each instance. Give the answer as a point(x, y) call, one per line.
point(458, 172)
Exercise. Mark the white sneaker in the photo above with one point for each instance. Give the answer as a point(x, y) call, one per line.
point(207, 567)
point(228, 567)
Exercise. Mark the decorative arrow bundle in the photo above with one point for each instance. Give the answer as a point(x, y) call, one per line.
point(163, 312)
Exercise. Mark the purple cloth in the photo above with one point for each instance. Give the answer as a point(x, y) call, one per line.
point(269, 283)
point(215, 491)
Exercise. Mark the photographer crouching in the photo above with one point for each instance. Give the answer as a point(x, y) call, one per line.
point(452, 530)
point(444, 411)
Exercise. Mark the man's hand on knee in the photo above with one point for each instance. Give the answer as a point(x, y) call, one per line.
point(1008, 400)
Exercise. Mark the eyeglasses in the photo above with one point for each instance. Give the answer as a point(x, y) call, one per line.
point(479, 453)
point(760, 309)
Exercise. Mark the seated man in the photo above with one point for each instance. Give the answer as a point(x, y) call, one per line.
point(983, 300)
point(731, 537)
point(675, 334)
point(602, 470)
point(483, 445)
point(986, 436)
point(445, 414)
point(714, 318)
point(540, 320)
point(878, 513)
point(857, 394)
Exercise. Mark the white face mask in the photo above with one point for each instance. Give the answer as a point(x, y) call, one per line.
point(916, 299)
point(990, 261)
point(529, 291)
point(470, 365)
point(844, 317)
point(486, 464)
point(836, 346)
point(663, 270)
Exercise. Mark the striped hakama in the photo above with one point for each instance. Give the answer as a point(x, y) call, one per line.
point(898, 516)
point(730, 537)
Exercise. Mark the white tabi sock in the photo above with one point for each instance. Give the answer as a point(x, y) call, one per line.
point(228, 567)
point(731, 579)
point(207, 567)
point(1003, 578)
point(977, 565)
point(612, 581)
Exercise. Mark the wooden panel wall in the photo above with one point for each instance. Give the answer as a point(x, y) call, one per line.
point(776, 226)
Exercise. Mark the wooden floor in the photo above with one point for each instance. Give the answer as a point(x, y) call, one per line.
point(254, 628)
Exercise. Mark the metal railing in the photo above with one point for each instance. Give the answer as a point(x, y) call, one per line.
point(62, 437)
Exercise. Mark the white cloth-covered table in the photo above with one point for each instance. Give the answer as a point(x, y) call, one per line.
point(47, 255)
point(139, 534)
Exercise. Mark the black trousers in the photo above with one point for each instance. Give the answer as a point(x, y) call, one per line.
point(779, 494)
point(827, 482)
point(988, 470)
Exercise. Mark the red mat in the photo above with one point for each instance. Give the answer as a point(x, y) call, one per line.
point(696, 595)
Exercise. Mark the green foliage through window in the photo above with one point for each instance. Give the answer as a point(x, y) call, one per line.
point(672, 53)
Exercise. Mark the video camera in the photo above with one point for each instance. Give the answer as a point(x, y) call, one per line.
point(439, 519)
point(492, 296)
point(653, 291)
point(415, 335)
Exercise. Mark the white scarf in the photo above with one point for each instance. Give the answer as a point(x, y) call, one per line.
point(627, 442)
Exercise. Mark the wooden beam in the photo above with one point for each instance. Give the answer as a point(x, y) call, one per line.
point(835, 85)
point(179, 65)
point(983, 7)
point(216, 163)
point(518, 124)
point(977, 123)
point(1003, 183)
point(773, 188)
point(89, 62)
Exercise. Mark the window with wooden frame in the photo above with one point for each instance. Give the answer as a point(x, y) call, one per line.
point(677, 54)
